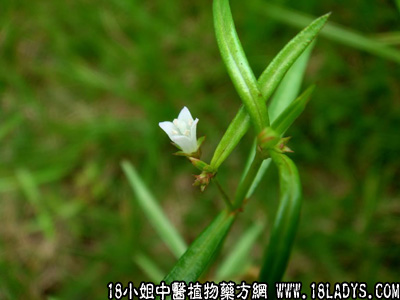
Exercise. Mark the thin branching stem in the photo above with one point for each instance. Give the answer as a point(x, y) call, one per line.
point(224, 195)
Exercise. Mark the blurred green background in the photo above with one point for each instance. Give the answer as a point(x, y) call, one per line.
point(83, 85)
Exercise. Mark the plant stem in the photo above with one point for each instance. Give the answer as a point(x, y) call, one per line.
point(224, 195)
point(245, 184)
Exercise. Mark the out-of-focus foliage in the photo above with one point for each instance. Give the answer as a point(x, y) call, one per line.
point(83, 85)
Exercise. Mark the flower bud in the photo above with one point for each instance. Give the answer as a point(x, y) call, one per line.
point(203, 179)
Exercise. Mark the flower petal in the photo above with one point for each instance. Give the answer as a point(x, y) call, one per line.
point(193, 128)
point(185, 143)
point(168, 127)
point(185, 115)
point(181, 125)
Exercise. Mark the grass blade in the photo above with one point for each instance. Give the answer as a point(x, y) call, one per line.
point(238, 67)
point(233, 264)
point(201, 252)
point(30, 188)
point(285, 224)
point(331, 31)
point(153, 211)
point(149, 267)
point(8, 184)
point(281, 64)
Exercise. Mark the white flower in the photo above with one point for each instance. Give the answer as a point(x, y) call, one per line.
point(182, 131)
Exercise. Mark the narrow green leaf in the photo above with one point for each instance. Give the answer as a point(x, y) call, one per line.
point(201, 252)
point(249, 160)
point(289, 88)
point(236, 262)
point(153, 211)
point(241, 123)
point(260, 174)
point(388, 38)
point(237, 65)
point(292, 112)
point(286, 221)
point(334, 32)
point(236, 130)
point(273, 74)
point(52, 174)
point(30, 189)
point(371, 192)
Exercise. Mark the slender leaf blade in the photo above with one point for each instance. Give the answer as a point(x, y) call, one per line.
point(236, 130)
point(292, 112)
point(274, 73)
point(31, 190)
point(233, 265)
point(289, 88)
point(286, 221)
point(260, 174)
point(201, 252)
point(237, 65)
point(153, 211)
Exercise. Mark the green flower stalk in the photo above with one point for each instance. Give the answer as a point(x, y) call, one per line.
point(206, 175)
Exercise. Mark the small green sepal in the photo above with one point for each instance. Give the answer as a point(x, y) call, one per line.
point(282, 147)
point(195, 154)
point(200, 141)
